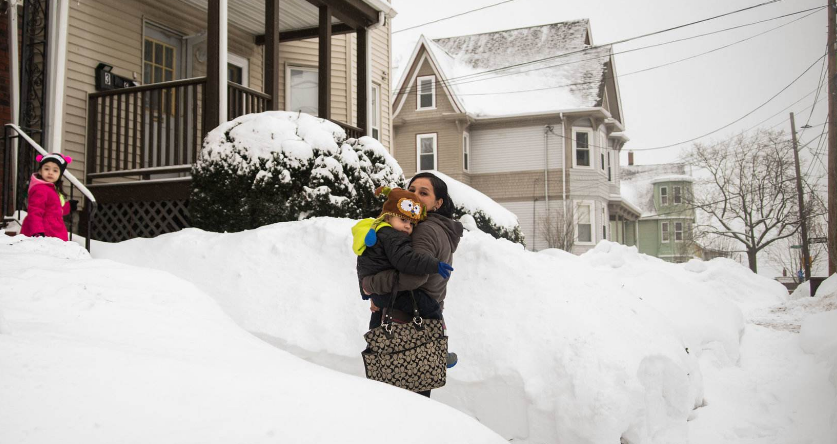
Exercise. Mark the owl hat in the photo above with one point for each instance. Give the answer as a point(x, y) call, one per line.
point(401, 203)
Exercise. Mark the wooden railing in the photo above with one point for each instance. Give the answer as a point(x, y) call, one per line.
point(242, 100)
point(352, 132)
point(144, 127)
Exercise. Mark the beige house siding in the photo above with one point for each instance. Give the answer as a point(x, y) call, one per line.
point(379, 74)
point(531, 215)
point(448, 147)
point(111, 31)
point(518, 185)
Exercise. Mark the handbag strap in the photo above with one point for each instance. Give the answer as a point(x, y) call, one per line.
point(387, 321)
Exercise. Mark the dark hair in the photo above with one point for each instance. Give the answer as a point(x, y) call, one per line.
point(440, 189)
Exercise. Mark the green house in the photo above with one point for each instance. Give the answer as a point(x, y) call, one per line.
point(663, 193)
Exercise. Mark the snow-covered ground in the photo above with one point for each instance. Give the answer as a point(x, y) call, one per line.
point(553, 347)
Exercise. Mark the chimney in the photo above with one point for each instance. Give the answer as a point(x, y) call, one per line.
point(630, 157)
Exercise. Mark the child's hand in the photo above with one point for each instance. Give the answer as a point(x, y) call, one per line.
point(373, 307)
point(444, 269)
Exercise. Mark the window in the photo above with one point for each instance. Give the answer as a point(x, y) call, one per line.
point(426, 93)
point(663, 196)
point(604, 225)
point(664, 231)
point(301, 92)
point(159, 62)
point(375, 112)
point(426, 152)
point(678, 196)
point(678, 231)
point(238, 69)
point(466, 151)
point(609, 170)
point(602, 153)
point(584, 224)
point(581, 147)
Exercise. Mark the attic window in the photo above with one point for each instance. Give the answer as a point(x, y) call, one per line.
point(678, 195)
point(426, 93)
point(663, 196)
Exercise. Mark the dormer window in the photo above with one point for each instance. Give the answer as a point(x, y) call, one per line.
point(426, 93)
point(678, 195)
point(663, 195)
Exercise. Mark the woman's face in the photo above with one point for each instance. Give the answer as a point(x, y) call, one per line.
point(424, 189)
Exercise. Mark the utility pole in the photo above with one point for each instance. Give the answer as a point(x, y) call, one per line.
point(803, 220)
point(832, 138)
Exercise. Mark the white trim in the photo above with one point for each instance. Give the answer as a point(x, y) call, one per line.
point(288, 68)
point(222, 61)
point(244, 64)
point(589, 148)
point(432, 93)
point(668, 231)
point(661, 196)
point(466, 151)
point(434, 136)
point(592, 205)
point(14, 67)
point(375, 92)
point(57, 72)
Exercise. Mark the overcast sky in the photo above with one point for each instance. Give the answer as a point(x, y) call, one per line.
point(677, 102)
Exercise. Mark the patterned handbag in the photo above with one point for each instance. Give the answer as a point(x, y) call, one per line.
point(410, 355)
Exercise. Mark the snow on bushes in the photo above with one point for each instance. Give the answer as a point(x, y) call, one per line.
point(280, 166)
point(552, 347)
point(491, 217)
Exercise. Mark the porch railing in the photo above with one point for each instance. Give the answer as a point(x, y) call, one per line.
point(137, 130)
point(242, 100)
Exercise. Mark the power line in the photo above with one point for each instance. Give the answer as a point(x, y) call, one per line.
point(452, 16)
point(736, 120)
point(819, 88)
point(623, 52)
point(448, 81)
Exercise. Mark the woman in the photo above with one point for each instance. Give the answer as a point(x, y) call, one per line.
point(438, 236)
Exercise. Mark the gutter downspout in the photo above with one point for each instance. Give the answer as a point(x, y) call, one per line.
point(563, 169)
point(546, 130)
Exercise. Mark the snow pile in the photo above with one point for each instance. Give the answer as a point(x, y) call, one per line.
point(818, 333)
point(552, 347)
point(95, 351)
point(473, 201)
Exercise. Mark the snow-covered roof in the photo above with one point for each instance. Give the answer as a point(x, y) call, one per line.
point(571, 78)
point(674, 178)
point(637, 183)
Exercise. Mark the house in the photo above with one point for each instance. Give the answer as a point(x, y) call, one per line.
point(531, 117)
point(663, 193)
point(129, 88)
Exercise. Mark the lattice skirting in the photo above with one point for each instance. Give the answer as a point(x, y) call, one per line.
point(116, 222)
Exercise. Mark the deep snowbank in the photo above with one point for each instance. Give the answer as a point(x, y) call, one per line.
point(94, 351)
point(552, 347)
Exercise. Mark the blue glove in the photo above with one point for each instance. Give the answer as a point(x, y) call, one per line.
point(444, 269)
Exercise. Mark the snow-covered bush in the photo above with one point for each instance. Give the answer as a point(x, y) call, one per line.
point(280, 166)
point(491, 217)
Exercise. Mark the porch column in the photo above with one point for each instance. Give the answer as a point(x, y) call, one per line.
point(324, 67)
point(271, 53)
point(56, 67)
point(215, 108)
point(363, 86)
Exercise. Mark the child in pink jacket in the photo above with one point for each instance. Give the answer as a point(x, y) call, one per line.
point(47, 205)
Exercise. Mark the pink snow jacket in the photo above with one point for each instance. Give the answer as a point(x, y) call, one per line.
point(45, 211)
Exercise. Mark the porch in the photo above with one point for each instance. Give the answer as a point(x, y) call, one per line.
point(141, 141)
point(624, 217)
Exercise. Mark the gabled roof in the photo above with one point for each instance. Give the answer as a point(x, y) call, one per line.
point(637, 183)
point(572, 77)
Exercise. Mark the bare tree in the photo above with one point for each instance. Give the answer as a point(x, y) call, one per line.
point(750, 192)
point(558, 228)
